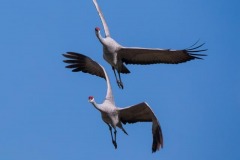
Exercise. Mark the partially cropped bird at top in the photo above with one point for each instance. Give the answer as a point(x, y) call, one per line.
point(117, 55)
point(112, 115)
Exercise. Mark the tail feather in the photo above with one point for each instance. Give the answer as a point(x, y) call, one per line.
point(124, 131)
point(124, 69)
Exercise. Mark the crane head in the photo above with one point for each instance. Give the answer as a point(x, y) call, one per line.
point(97, 29)
point(90, 99)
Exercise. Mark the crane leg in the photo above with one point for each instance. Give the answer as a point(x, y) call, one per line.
point(113, 141)
point(119, 82)
point(115, 135)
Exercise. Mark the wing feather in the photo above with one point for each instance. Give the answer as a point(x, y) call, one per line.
point(136, 113)
point(79, 62)
point(142, 113)
point(144, 56)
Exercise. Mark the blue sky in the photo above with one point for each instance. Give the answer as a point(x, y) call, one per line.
point(44, 110)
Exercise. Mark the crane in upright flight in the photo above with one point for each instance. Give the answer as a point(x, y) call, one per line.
point(112, 115)
point(117, 55)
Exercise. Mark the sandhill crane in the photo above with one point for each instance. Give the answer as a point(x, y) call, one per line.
point(116, 55)
point(114, 116)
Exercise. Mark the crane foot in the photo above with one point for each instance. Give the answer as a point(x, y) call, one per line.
point(115, 144)
point(120, 84)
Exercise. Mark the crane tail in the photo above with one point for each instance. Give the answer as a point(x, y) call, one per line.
point(124, 69)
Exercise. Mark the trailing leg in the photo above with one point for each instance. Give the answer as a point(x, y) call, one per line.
point(119, 82)
point(115, 136)
point(113, 141)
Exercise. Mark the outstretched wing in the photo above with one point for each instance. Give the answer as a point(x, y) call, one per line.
point(144, 56)
point(105, 26)
point(142, 113)
point(79, 62)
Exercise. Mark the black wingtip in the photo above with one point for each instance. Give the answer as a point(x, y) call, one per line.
point(157, 139)
point(194, 47)
point(194, 50)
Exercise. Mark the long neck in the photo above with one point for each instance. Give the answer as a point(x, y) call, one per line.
point(96, 106)
point(99, 36)
point(109, 95)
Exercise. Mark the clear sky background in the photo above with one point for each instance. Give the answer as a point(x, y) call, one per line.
point(44, 109)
